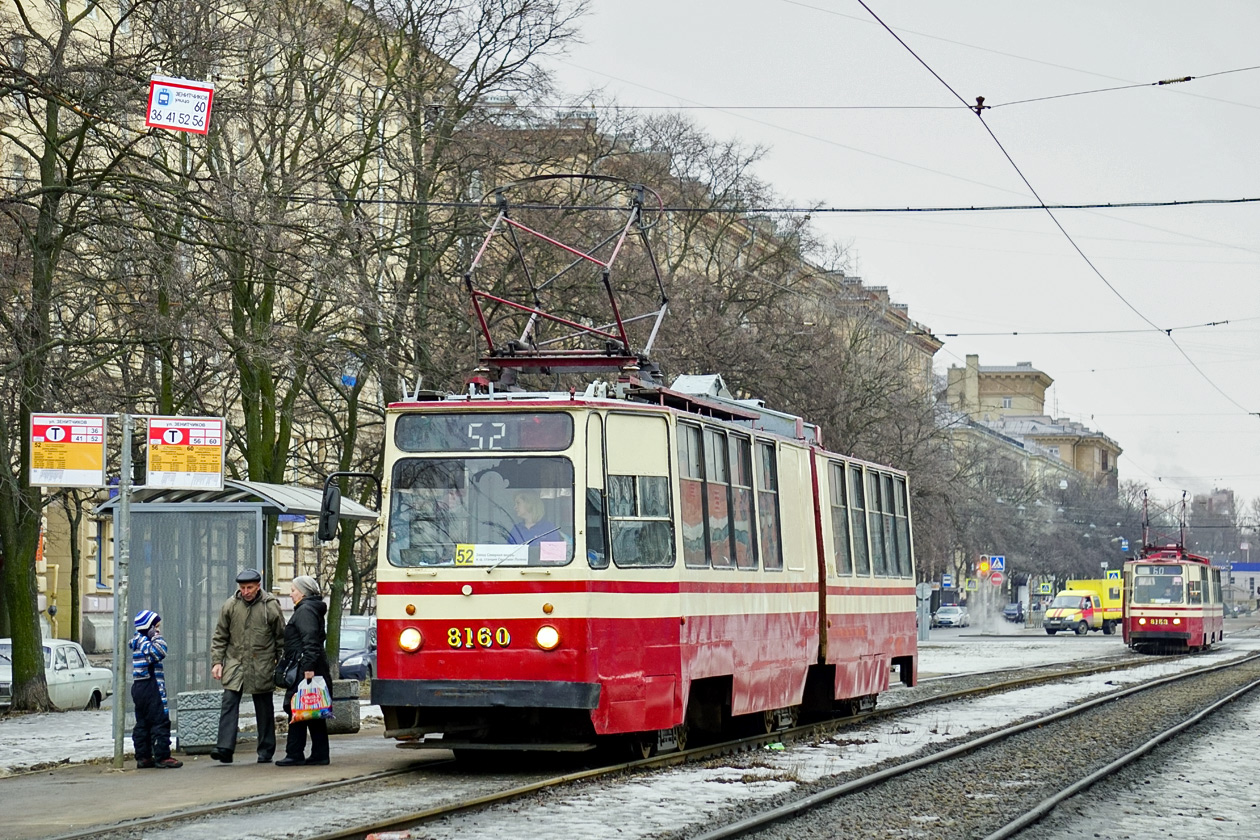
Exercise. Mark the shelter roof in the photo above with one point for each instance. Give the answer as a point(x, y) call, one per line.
point(274, 498)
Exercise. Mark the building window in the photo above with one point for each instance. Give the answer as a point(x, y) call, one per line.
point(1054, 450)
point(1007, 402)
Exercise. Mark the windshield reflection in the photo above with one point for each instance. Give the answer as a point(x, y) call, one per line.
point(484, 512)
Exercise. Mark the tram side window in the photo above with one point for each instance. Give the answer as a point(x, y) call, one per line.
point(878, 550)
point(905, 562)
point(691, 491)
point(745, 545)
point(890, 533)
point(717, 480)
point(1194, 591)
point(840, 521)
point(638, 520)
point(768, 507)
point(857, 506)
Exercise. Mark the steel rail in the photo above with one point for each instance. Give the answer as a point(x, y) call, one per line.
point(1041, 809)
point(808, 803)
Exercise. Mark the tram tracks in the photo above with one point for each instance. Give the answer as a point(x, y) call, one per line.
point(860, 807)
point(468, 792)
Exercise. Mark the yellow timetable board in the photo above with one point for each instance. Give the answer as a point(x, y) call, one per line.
point(67, 450)
point(185, 453)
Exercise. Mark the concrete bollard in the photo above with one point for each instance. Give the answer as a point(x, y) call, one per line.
point(345, 707)
point(195, 718)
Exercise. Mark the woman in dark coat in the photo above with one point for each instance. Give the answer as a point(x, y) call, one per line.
point(304, 640)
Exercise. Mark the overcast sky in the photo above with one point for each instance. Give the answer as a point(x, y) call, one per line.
point(1179, 410)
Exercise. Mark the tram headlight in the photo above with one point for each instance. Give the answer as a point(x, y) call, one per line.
point(547, 637)
point(1141, 621)
point(1176, 621)
point(410, 640)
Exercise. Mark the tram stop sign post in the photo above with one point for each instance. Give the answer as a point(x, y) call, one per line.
point(924, 593)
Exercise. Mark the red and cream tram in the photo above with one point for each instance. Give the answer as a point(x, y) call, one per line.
point(631, 564)
point(1172, 601)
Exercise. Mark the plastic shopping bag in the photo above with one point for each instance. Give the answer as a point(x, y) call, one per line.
point(311, 701)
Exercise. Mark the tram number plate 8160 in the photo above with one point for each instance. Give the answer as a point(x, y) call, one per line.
point(479, 637)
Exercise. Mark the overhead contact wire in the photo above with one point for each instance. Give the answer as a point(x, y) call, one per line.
point(979, 108)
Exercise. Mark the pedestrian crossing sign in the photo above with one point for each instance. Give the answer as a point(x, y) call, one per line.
point(997, 562)
point(972, 585)
point(1113, 574)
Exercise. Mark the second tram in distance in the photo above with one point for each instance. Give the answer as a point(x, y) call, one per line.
point(633, 565)
point(1172, 601)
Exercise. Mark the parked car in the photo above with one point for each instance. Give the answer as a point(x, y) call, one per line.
point(1014, 612)
point(357, 652)
point(951, 616)
point(73, 682)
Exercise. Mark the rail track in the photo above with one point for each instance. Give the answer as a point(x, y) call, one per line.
point(465, 793)
point(859, 807)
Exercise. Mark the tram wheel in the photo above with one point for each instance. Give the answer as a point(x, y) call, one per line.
point(680, 735)
point(642, 745)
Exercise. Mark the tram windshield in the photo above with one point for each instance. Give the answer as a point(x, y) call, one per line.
point(481, 512)
point(1158, 585)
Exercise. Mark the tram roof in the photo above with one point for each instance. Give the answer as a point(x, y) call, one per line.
point(717, 408)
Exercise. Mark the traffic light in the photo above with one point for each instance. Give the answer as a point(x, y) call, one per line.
point(984, 564)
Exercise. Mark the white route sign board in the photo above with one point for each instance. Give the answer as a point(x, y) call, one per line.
point(185, 453)
point(67, 450)
point(179, 104)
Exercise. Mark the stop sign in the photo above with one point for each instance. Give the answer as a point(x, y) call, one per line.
point(996, 578)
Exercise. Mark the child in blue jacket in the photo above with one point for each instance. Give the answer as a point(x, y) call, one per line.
point(152, 733)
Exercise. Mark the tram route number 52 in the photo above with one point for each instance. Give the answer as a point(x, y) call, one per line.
point(487, 435)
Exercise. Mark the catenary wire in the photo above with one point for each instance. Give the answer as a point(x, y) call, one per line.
point(980, 115)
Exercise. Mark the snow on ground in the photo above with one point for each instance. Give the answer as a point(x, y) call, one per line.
point(28, 742)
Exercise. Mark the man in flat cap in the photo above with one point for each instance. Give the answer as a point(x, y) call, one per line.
point(247, 644)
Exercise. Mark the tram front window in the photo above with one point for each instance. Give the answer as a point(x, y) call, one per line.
point(1165, 587)
point(481, 512)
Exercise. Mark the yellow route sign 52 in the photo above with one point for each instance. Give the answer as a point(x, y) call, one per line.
point(67, 450)
point(186, 453)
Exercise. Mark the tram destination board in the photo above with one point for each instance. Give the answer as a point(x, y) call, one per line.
point(186, 453)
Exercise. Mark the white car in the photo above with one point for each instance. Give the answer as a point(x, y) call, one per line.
point(73, 682)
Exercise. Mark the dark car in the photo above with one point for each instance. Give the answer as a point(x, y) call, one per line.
point(358, 647)
point(1013, 612)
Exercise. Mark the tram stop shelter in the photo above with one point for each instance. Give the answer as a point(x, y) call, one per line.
point(187, 547)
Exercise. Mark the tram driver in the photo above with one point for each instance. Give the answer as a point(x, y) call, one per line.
point(532, 525)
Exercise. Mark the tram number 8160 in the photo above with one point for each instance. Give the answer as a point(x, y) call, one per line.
point(484, 637)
